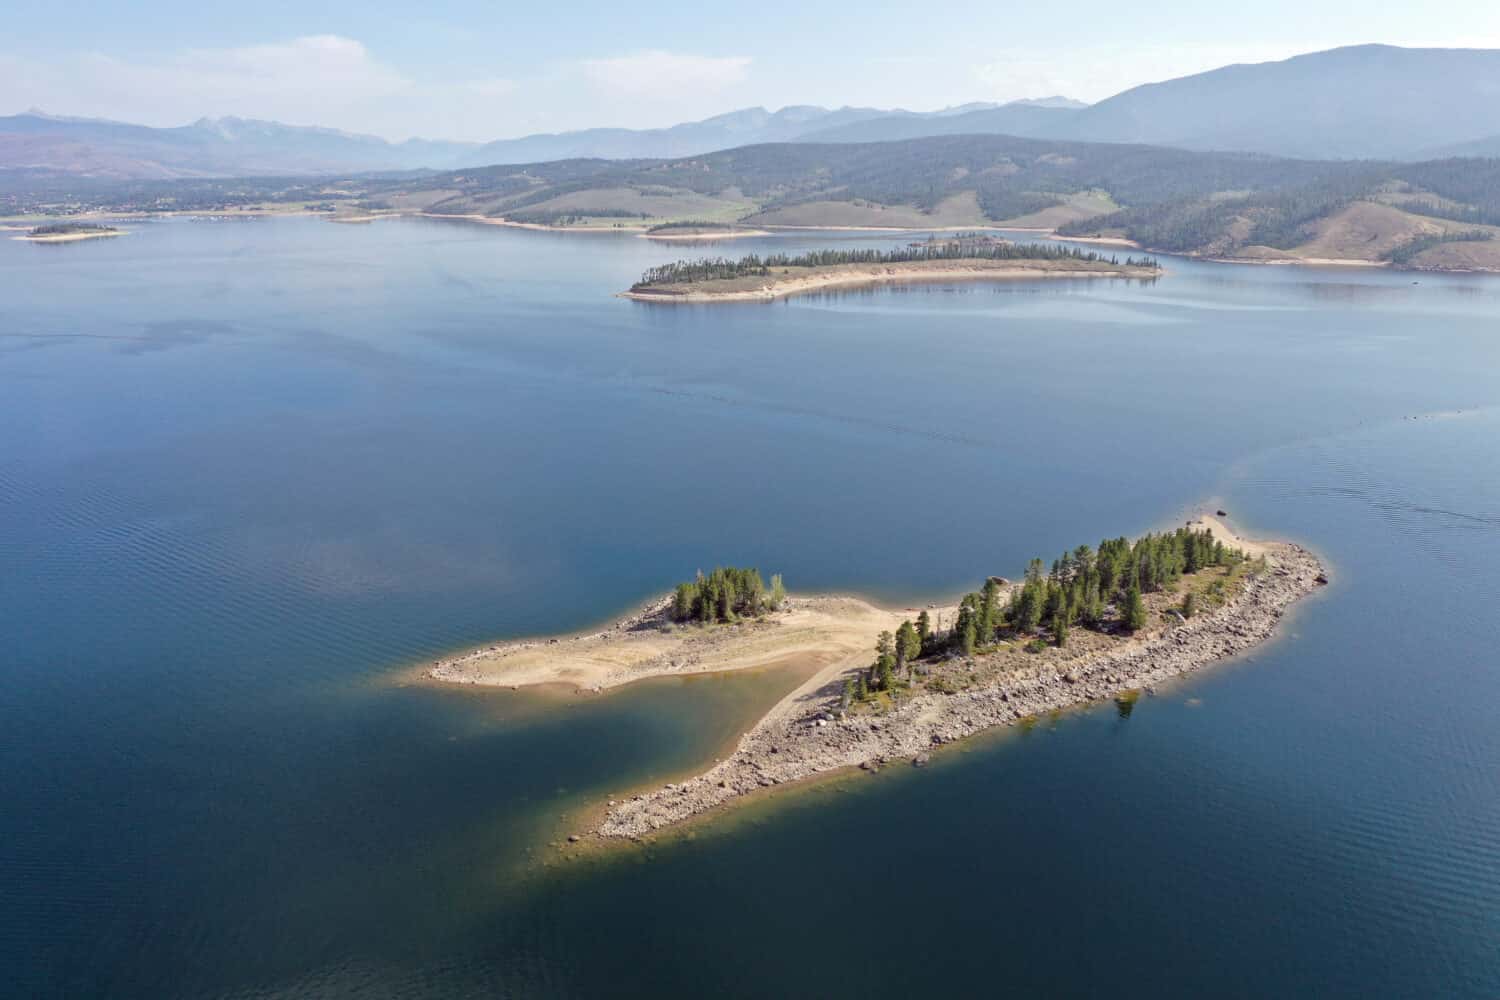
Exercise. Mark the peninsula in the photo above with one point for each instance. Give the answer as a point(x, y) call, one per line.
point(965, 257)
point(892, 685)
point(68, 232)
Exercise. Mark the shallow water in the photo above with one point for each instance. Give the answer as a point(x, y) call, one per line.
point(248, 471)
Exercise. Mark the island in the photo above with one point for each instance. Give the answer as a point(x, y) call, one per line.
point(689, 231)
point(964, 257)
point(887, 685)
point(68, 232)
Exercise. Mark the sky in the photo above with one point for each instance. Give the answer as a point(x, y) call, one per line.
point(475, 70)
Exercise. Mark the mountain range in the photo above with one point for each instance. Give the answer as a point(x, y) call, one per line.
point(1358, 102)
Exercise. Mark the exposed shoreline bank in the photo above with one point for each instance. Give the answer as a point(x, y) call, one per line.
point(821, 628)
point(68, 237)
point(773, 230)
point(724, 234)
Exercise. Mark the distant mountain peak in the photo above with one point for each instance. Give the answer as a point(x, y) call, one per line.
point(1055, 101)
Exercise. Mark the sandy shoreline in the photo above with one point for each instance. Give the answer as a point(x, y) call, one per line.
point(1103, 241)
point(1300, 261)
point(67, 237)
point(867, 275)
point(820, 629)
point(730, 234)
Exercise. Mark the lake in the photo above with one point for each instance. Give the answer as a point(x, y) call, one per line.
point(251, 472)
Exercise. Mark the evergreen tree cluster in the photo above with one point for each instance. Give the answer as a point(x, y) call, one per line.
point(726, 595)
point(1081, 588)
point(1099, 589)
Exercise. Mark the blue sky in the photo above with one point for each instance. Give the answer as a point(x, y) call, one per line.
point(472, 70)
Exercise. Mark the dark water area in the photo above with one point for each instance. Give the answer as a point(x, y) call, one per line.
point(249, 471)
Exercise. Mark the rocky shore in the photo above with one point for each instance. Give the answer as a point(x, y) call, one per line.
point(803, 736)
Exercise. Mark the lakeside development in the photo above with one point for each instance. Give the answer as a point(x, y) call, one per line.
point(854, 714)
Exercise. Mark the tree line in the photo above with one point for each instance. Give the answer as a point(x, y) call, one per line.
point(1100, 589)
point(755, 265)
point(1406, 252)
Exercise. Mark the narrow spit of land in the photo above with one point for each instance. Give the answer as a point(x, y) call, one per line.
point(953, 691)
point(963, 257)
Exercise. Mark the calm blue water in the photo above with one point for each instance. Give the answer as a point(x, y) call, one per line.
point(248, 471)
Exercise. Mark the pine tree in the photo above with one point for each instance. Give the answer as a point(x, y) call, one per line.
point(908, 645)
point(988, 610)
point(968, 637)
point(1135, 609)
point(924, 628)
point(885, 661)
point(1189, 605)
point(778, 592)
point(1060, 629)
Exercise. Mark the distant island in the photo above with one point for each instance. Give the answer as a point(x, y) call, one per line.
point(68, 232)
point(1111, 621)
point(967, 256)
point(694, 230)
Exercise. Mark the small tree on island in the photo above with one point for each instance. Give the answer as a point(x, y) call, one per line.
point(968, 638)
point(884, 666)
point(1135, 609)
point(908, 646)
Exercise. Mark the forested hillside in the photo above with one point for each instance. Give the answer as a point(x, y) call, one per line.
point(1221, 204)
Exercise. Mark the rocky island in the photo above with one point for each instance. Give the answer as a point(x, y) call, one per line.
point(964, 257)
point(889, 685)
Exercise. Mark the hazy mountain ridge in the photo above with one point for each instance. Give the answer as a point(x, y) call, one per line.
point(1359, 102)
point(228, 147)
point(1365, 101)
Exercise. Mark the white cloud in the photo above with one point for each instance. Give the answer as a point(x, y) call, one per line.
point(336, 81)
point(661, 75)
point(309, 80)
point(495, 86)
